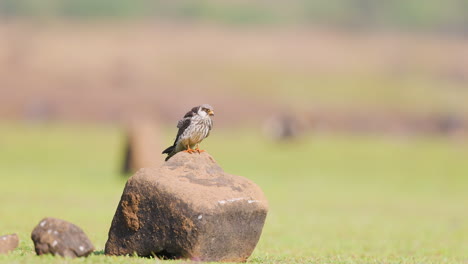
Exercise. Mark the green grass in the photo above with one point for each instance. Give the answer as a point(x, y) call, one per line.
point(333, 199)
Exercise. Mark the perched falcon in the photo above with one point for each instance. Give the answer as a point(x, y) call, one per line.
point(193, 128)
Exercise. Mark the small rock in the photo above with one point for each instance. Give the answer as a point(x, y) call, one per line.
point(188, 208)
point(8, 243)
point(59, 237)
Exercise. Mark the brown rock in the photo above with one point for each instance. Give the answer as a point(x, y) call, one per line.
point(59, 237)
point(8, 243)
point(188, 208)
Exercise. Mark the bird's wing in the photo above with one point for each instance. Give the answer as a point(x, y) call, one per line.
point(182, 125)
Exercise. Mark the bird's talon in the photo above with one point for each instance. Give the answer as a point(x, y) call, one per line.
point(190, 151)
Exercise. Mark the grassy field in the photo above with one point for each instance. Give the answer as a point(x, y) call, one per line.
point(333, 199)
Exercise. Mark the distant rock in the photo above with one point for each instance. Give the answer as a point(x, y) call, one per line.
point(143, 146)
point(285, 126)
point(59, 237)
point(8, 243)
point(188, 208)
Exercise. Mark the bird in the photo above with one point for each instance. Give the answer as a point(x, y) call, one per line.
point(193, 128)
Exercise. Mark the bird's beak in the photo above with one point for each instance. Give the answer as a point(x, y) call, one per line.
point(211, 113)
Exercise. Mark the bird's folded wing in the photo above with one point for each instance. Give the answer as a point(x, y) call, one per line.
point(182, 125)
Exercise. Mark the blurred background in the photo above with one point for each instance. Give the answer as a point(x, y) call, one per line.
point(350, 113)
point(399, 66)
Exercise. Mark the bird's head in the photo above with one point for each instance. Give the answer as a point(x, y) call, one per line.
point(204, 110)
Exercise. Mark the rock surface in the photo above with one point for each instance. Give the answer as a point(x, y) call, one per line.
point(59, 237)
point(188, 208)
point(8, 243)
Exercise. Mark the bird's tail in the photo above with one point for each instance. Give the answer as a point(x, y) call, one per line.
point(168, 150)
point(169, 156)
